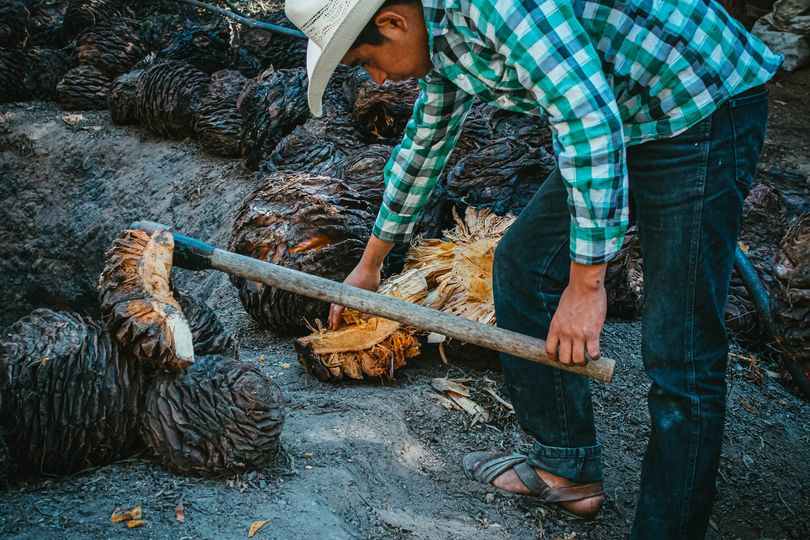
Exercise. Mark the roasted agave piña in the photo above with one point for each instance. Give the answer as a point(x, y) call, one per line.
point(137, 302)
point(218, 123)
point(168, 96)
point(83, 88)
point(71, 398)
point(315, 224)
point(218, 417)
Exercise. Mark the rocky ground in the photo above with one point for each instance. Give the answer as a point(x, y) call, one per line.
point(358, 460)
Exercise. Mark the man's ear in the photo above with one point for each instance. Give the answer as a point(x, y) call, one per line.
point(391, 20)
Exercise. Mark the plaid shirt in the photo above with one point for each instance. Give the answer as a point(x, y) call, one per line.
point(607, 74)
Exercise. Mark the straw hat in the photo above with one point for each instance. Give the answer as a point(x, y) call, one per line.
point(331, 26)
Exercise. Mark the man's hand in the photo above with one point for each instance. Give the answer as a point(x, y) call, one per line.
point(366, 275)
point(578, 321)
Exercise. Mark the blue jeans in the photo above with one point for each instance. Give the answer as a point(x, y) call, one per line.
point(688, 192)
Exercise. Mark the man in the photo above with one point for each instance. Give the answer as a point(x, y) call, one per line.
point(662, 101)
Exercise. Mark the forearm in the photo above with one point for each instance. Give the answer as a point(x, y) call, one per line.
point(587, 277)
point(376, 252)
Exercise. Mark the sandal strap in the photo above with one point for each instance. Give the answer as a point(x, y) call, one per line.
point(575, 493)
point(537, 487)
point(489, 469)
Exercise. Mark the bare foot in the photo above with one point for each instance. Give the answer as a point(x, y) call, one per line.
point(586, 508)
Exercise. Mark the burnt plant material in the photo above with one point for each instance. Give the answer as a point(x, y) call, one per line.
point(361, 348)
point(157, 30)
point(5, 460)
point(44, 68)
point(763, 225)
point(381, 112)
point(72, 399)
point(83, 88)
point(533, 130)
point(363, 170)
point(219, 417)
point(274, 49)
point(790, 293)
point(207, 331)
point(112, 47)
point(121, 98)
point(82, 14)
point(218, 124)
point(624, 280)
point(14, 22)
point(45, 27)
point(12, 76)
point(315, 224)
point(207, 48)
point(305, 151)
point(742, 319)
point(137, 302)
point(168, 96)
point(503, 175)
point(270, 109)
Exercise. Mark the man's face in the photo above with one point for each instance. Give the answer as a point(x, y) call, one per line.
point(404, 53)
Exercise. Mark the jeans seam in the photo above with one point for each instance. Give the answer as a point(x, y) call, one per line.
point(557, 375)
point(689, 479)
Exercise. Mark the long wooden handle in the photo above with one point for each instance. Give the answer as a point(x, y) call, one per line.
point(194, 254)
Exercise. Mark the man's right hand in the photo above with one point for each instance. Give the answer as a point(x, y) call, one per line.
point(366, 275)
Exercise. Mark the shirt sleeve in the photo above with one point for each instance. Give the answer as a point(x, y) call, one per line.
point(556, 62)
point(415, 165)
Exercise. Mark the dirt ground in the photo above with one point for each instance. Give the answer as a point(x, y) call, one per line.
point(358, 460)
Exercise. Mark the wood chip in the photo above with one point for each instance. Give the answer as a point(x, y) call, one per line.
point(180, 511)
point(135, 523)
point(119, 516)
point(256, 526)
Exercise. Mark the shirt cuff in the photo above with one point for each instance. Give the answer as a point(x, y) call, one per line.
point(595, 245)
point(389, 230)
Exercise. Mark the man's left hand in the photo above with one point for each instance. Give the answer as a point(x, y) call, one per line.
point(580, 316)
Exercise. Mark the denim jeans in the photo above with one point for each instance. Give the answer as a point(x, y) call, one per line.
point(688, 192)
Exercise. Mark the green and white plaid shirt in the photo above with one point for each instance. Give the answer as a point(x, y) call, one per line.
point(608, 74)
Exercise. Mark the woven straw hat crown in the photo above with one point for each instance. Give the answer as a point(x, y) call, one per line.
point(331, 26)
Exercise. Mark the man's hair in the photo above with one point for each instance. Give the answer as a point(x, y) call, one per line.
point(371, 34)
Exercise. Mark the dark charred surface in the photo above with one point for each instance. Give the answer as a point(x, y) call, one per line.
point(624, 281)
point(113, 47)
point(168, 96)
point(381, 112)
point(5, 460)
point(46, 25)
point(363, 169)
point(274, 49)
point(12, 76)
point(790, 299)
point(304, 151)
point(14, 23)
point(82, 14)
point(44, 68)
point(533, 130)
point(157, 30)
point(219, 417)
point(271, 108)
point(209, 334)
point(205, 48)
point(121, 98)
point(315, 224)
point(83, 88)
point(218, 123)
point(71, 401)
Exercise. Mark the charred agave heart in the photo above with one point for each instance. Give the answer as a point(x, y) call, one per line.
point(5, 460)
point(274, 49)
point(112, 47)
point(315, 224)
point(790, 294)
point(72, 399)
point(12, 76)
point(168, 96)
point(121, 98)
point(270, 109)
point(206, 49)
point(14, 22)
point(82, 14)
point(383, 111)
point(624, 280)
point(83, 88)
point(207, 332)
point(46, 25)
point(218, 124)
point(137, 303)
point(44, 68)
point(216, 418)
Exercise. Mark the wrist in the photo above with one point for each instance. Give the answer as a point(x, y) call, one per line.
point(375, 253)
point(587, 277)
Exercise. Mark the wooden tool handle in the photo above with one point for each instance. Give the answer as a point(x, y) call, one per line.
point(197, 255)
point(491, 337)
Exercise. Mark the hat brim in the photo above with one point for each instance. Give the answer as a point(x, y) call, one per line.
point(321, 63)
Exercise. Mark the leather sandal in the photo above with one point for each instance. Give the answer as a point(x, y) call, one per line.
point(485, 467)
